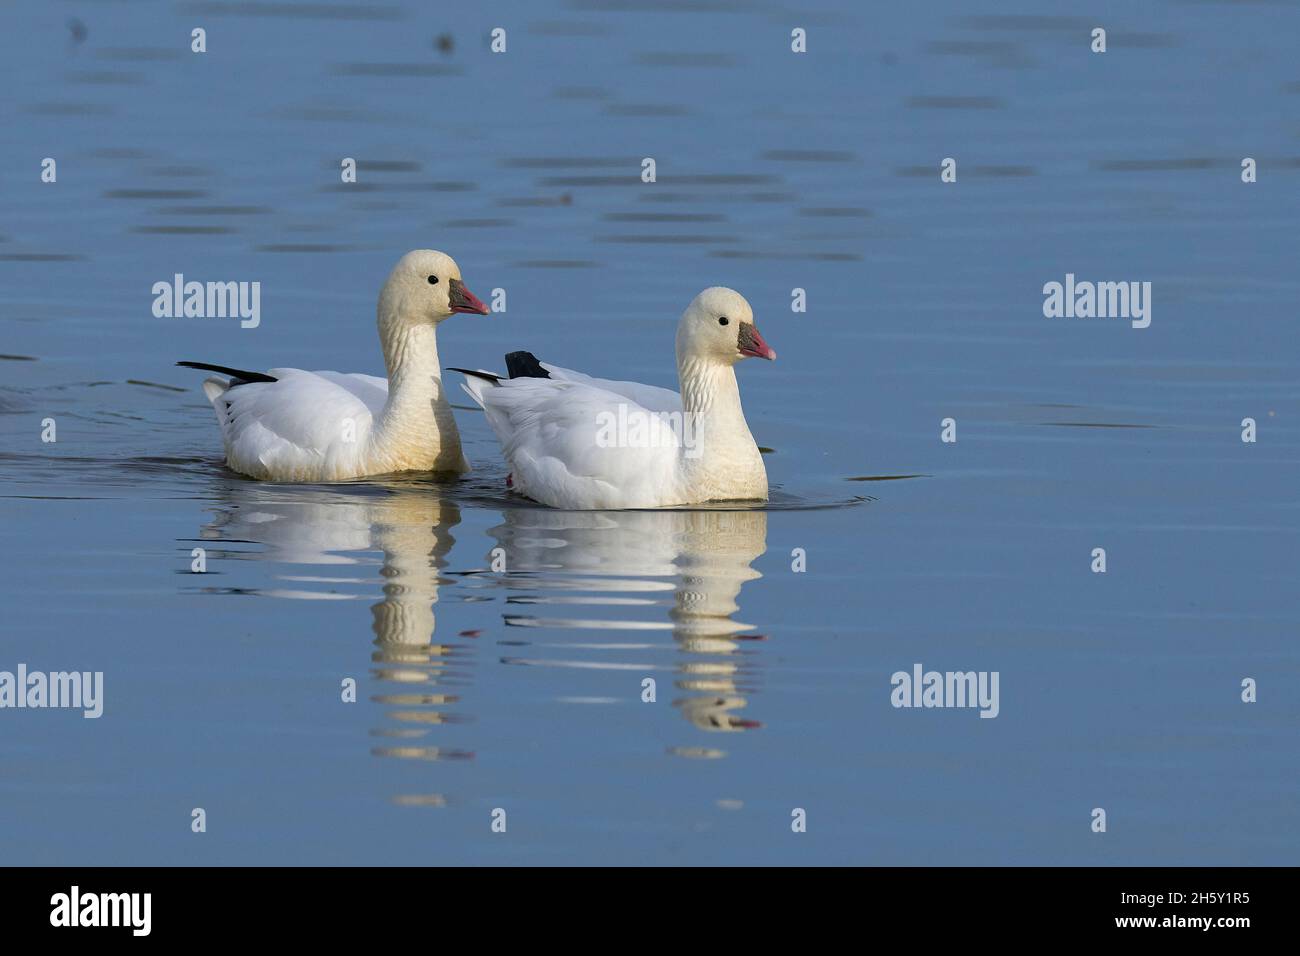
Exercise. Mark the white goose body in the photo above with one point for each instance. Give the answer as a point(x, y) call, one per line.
point(577, 442)
point(294, 425)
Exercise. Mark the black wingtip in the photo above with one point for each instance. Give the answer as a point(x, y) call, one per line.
point(487, 376)
point(525, 365)
point(242, 377)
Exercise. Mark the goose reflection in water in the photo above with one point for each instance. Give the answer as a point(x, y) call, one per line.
point(632, 565)
point(411, 528)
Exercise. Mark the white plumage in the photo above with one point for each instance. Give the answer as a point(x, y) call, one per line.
point(329, 426)
point(577, 442)
point(306, 426)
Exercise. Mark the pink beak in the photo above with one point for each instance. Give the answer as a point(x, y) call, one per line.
point(751, 343)
point(462, 300)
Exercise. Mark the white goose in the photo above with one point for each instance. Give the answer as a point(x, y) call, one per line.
point(291, 425)
point(581, 443)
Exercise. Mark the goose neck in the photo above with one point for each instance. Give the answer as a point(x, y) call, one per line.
point(416, 411)
point(709, 389)
point(410, 353)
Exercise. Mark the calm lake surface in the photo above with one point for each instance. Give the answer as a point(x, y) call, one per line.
point(521, 690)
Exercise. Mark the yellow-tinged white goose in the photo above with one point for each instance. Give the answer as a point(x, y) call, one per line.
point(291, 425)
point(577, 442)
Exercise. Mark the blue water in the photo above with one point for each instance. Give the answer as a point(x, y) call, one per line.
point(521, 690)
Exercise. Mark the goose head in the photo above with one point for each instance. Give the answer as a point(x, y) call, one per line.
point(425, 287)
point(718, 328)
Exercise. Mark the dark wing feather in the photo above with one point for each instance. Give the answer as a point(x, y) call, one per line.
point(242, 377)
point(525, 365)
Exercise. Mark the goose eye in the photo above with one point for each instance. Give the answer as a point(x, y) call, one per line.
point(433, 280)
point(723, 320)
